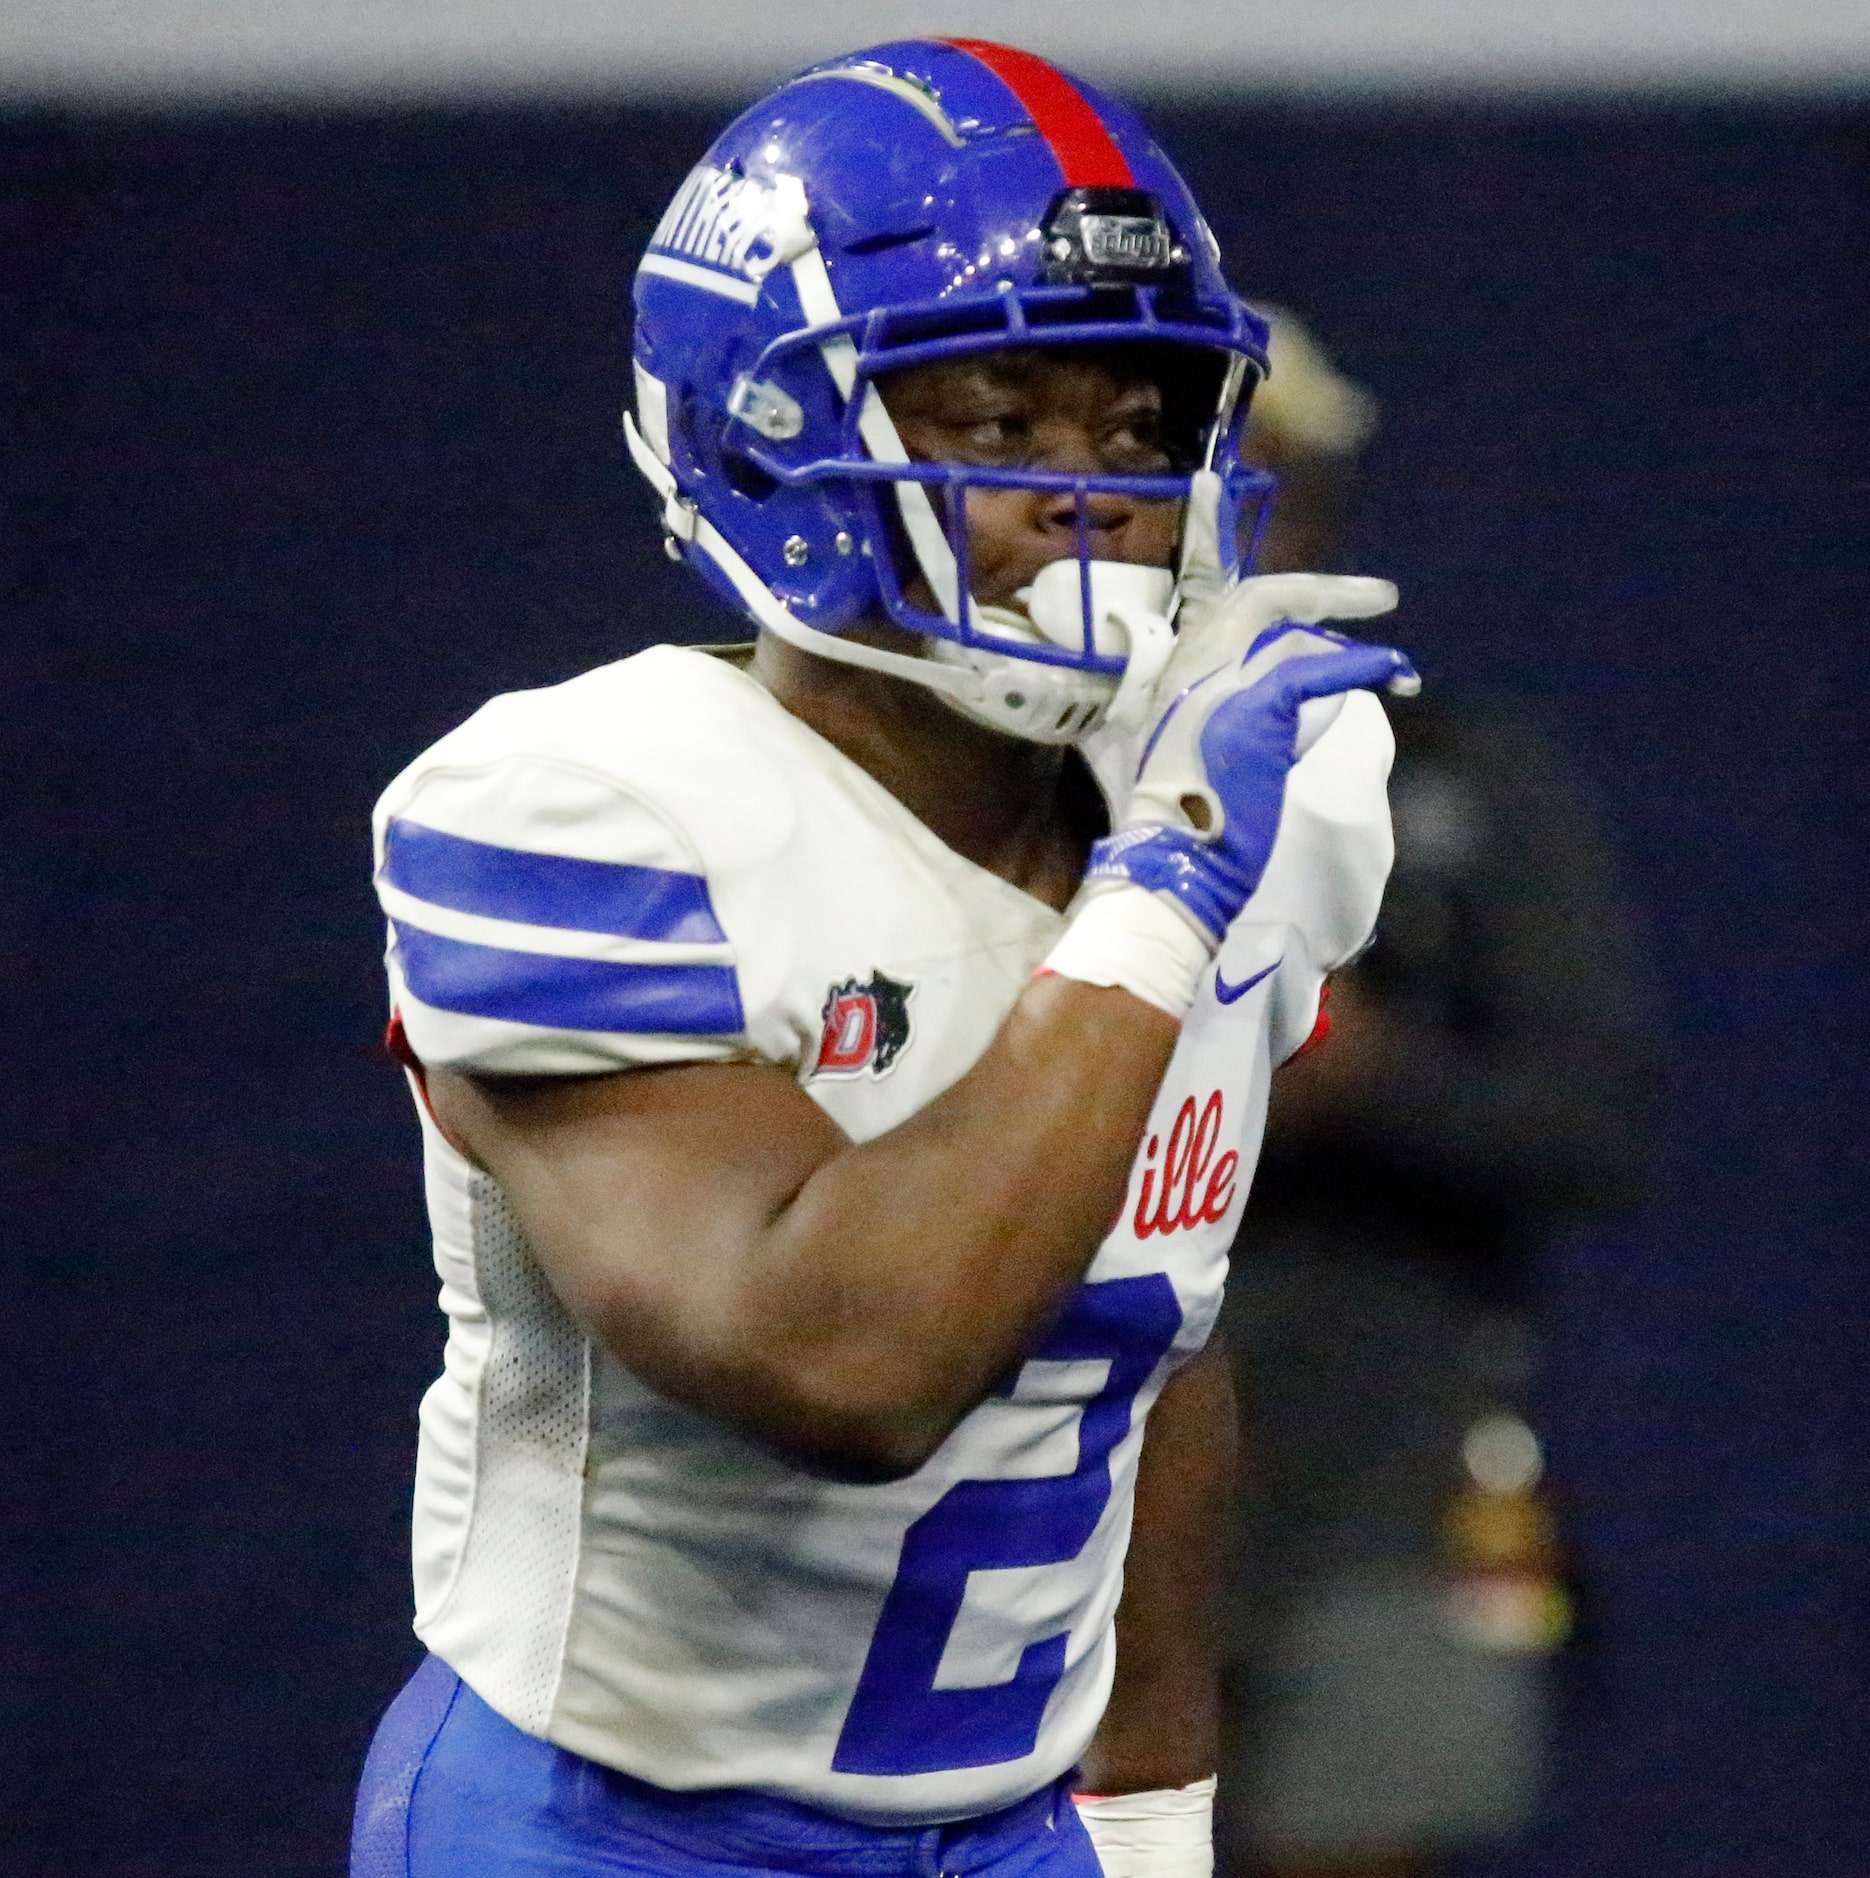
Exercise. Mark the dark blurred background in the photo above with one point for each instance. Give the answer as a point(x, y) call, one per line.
point(310, 428)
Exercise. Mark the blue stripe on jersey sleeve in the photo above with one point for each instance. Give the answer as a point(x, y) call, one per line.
point(548, 889)
point(567, 994)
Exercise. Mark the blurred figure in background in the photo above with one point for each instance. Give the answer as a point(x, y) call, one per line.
point(1398, 1590)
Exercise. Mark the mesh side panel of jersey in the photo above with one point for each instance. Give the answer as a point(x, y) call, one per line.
point(518, 1576)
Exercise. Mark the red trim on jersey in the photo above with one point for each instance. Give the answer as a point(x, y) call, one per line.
point(1060, 113)
point(397, 1045)
point(1320, 1030)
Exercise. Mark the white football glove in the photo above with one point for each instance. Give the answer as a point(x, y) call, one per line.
point(1218, 621)
point(1251, 683)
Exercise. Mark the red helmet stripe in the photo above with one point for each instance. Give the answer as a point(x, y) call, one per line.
point(1060, 113)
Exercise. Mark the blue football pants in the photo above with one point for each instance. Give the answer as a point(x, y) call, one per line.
point(451, 1790)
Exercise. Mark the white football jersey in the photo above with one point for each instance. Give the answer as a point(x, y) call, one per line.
point(656, 863)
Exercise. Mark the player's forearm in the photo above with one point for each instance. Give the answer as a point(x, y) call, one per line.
point(911, 1272)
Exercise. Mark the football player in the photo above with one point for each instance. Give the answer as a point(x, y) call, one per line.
point(842, 1059)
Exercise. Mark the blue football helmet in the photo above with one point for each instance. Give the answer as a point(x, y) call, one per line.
point(920, 201)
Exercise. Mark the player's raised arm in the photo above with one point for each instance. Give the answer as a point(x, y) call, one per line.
point(849, 1302)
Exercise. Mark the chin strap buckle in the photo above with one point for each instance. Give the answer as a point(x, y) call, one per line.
point(679, 518)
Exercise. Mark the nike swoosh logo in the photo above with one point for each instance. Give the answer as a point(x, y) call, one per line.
point(1225, 993)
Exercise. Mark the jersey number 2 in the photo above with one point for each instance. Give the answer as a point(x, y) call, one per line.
point(899, 1722)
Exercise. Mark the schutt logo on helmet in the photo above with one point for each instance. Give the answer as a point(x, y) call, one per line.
point(1102, 237)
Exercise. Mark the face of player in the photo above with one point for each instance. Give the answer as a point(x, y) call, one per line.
point(1072, 410)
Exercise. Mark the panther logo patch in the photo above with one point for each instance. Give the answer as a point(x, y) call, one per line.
point(866, 1027)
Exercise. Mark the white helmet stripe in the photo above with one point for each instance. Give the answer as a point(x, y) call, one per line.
point(926, 535)
point(818, 301)
point(899, 88)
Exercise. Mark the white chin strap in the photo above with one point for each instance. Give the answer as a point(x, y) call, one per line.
point(1021, 697)
point(1062, 703)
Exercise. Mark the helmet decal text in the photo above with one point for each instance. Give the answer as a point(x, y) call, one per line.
point(731, 221)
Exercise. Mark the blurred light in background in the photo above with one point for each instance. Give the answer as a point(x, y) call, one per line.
point(1503, 1455)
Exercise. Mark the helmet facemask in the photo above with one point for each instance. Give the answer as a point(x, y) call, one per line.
point(1081, 643)
point(1072, 641)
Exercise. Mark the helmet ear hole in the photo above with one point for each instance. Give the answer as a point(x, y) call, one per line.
point(707, 426)
point(745, 476)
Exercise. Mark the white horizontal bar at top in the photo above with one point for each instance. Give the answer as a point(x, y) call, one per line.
point(363, 49)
